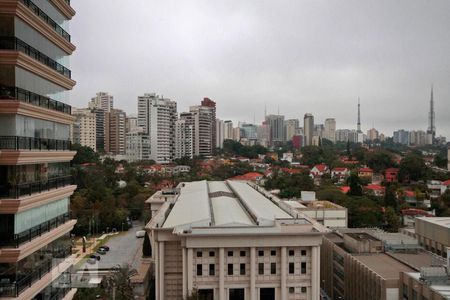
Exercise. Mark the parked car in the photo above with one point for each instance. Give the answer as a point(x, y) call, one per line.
point(105, 247)
point(95, 256)
point(101, 251)
point(140, 233)
point(92, 261)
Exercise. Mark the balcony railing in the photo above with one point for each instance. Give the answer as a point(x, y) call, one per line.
point(28, 235)
point(13, 43)
point(15, 288)
point(28, 189)
point(15, 93)
point(41, 14)
point(30, 143)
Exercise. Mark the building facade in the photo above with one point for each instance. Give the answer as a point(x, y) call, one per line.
point(137, 145)
point(330, 130)
point(291, 127)
point(84, 128)
point(220, 131)
point(229, 240)
point(201, 118)
point(206, 102)
point(184, 139)
point(308, 129)
point(35, 149)
point(115, 132)
point(276, 129)
point(103, 101)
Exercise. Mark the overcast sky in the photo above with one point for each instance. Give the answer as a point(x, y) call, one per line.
point(299, 56)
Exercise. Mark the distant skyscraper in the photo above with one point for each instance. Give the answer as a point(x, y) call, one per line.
point(83, 129)
point(184, 138)
point(431, 132)
point(372, 134)
point(330, 130)
point(228, 130)
point(115, 132)
point(276, 129)
point(103, 101)
point(291, 126)
point(220, 131)
point(308, 128)
point(401, 136)
point(212, 105)
point(201, 118)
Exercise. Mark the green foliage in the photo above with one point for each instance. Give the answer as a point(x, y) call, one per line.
point(354, 182)
point(117, 283)
point(290, 185)
point(379, 160)
point(412, 167)
point(84, 155)
point(89, 293)
point(363, 212)
point(234, 148)
point(441, 160)
point(313, 155)
point(146, 247)
point(392, 220)
point(390, 198)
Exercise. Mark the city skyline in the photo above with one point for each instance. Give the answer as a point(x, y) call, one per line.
point(390, 62)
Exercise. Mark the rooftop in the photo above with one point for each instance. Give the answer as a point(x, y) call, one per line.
point(441, 221)
point(384, 265)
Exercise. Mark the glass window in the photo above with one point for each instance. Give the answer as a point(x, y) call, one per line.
point(291, 290)
point(303, 252)
point(261, 269)
point(303, 289)
point(230, 253)
point(273, 253)
point(261, 253)
point(291, 268)
point(212, 253)
point(212, 269)
point(242, 253)
point(199, 270)
point(242, 269)
point(303, 267)
point(273, 268)
point(199, 254)
point(291, 252)
point(230, 269)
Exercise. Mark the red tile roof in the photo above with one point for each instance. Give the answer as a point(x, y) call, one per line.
point(340, 169)
point(410, 194)
point(252, 176)
point(446, 183)
point(321, 167)
point(375, 187)
point(366, 170)
point(392, 170)
point(345, 189)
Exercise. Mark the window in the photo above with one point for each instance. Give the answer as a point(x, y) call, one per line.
point(230, 253)
point(273, 268)
point(242, 269)
point(212, 269)
point(291, 252)
point(291, 290)
point(199, 254)
point(199, 270)
point(261, 253)
point(212, 253)
point(303, 289)
point(230, 269)
point(242, 253)
point(261, 269)
point(303, 252)
point(303, 268)
point(291, 268)
point(273, 253)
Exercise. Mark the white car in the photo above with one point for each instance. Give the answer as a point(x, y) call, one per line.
point(140, 233)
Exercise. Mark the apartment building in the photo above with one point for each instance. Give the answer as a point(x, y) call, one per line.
point(157, 116)
point(184, 139)
point(102, 101)
point(115, 132)
point(35, 155)
point(206, 102)
point(137, 145)
point(367, 263)
point(201, 118)
point(84, 128)
point(232, 240)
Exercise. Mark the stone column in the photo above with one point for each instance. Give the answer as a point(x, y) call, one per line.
point(157, 274)
point(183, 253)
point(315, 272)
point(283, 273)
point(252, 273)
point(221, 274)
point(161, 270)
point(189, 270)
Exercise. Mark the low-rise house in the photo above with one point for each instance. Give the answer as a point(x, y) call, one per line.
point(391, 174)
point(435, 189)
point(319, 170)
point(340, 173)
point(251, 176)
point(365, 173)
point(375, 190)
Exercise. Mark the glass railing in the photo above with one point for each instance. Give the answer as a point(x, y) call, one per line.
point(15, 93)
point(13, 43)
point(14, 288)
point(28, 235)
point(41, 14)
point(30, 188)
point(30, 143)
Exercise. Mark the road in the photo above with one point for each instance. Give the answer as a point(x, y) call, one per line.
point(125, 248)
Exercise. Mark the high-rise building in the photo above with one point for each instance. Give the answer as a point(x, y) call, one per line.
point(212, 105)
point(276, 129)
point(103, 101)
point(249, 132)
point(291, 126)
point(220, 131)
point(157, 117)
point(330, 130)
point(372, 134)
point(418, 138)
point(401, 137)
point(99, 129)
point(264, 134)
point(137, 145)
point(308, 128)
point(431, 131)
point(131, 124)
point(115, 132)
point(83, 129)
point(35, 149)
point(201, 118)
point(241, 244)
point(228, 130)
point(184, 138)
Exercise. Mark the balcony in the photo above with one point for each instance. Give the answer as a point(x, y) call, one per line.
point(15, 93)
point(13, 43)
point(28, 189)
point(38, 12)
point(26, 236)
point(30, 143)
point(18, 283)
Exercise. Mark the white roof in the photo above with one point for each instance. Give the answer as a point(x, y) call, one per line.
point(294, 204)
point(191, 207)
point(228, 212)
point(258, 204)
point(441, 221)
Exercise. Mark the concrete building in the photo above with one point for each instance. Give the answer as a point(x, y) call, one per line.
point(276, 129)
point(433, 233)
point(103, 101)
point(308, 129)
point(184, 139)
point(418, 138)
point(326, 213)
point(330, 130)
point(291, 127)
point(202, 118)
point(366, 263)
point(99, 129)
point(157, 117)
point(264, 134)
point(220, 131)
point(249, 132)
point(137, 145)
point(206, 102)
point(83, 129)
point(233, 240)
point(372, 134)
point(35, 150)
point(131, 124)
point(431, 283)
point(401, 137)
point(115, 132)
point(228, 130)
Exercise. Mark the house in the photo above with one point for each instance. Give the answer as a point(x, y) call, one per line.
point(391, 175)
point(365, 173)
point(410, 197)
point(340, 174)
point(345, 189)
point(251, 176)
point(319, 170)
point(375, 190)
point(436, 188)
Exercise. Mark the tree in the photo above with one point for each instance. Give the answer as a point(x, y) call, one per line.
point(441, 160)
point(354, 183)
point(392, 220)
point(390, 198)
point(84, 155)
point(118, 284)
point(290, 185)
point(412, 167)
point(379, 160)
point(363, 212)
point(146, 247)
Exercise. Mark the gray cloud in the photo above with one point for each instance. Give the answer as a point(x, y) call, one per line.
point(301, 56)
